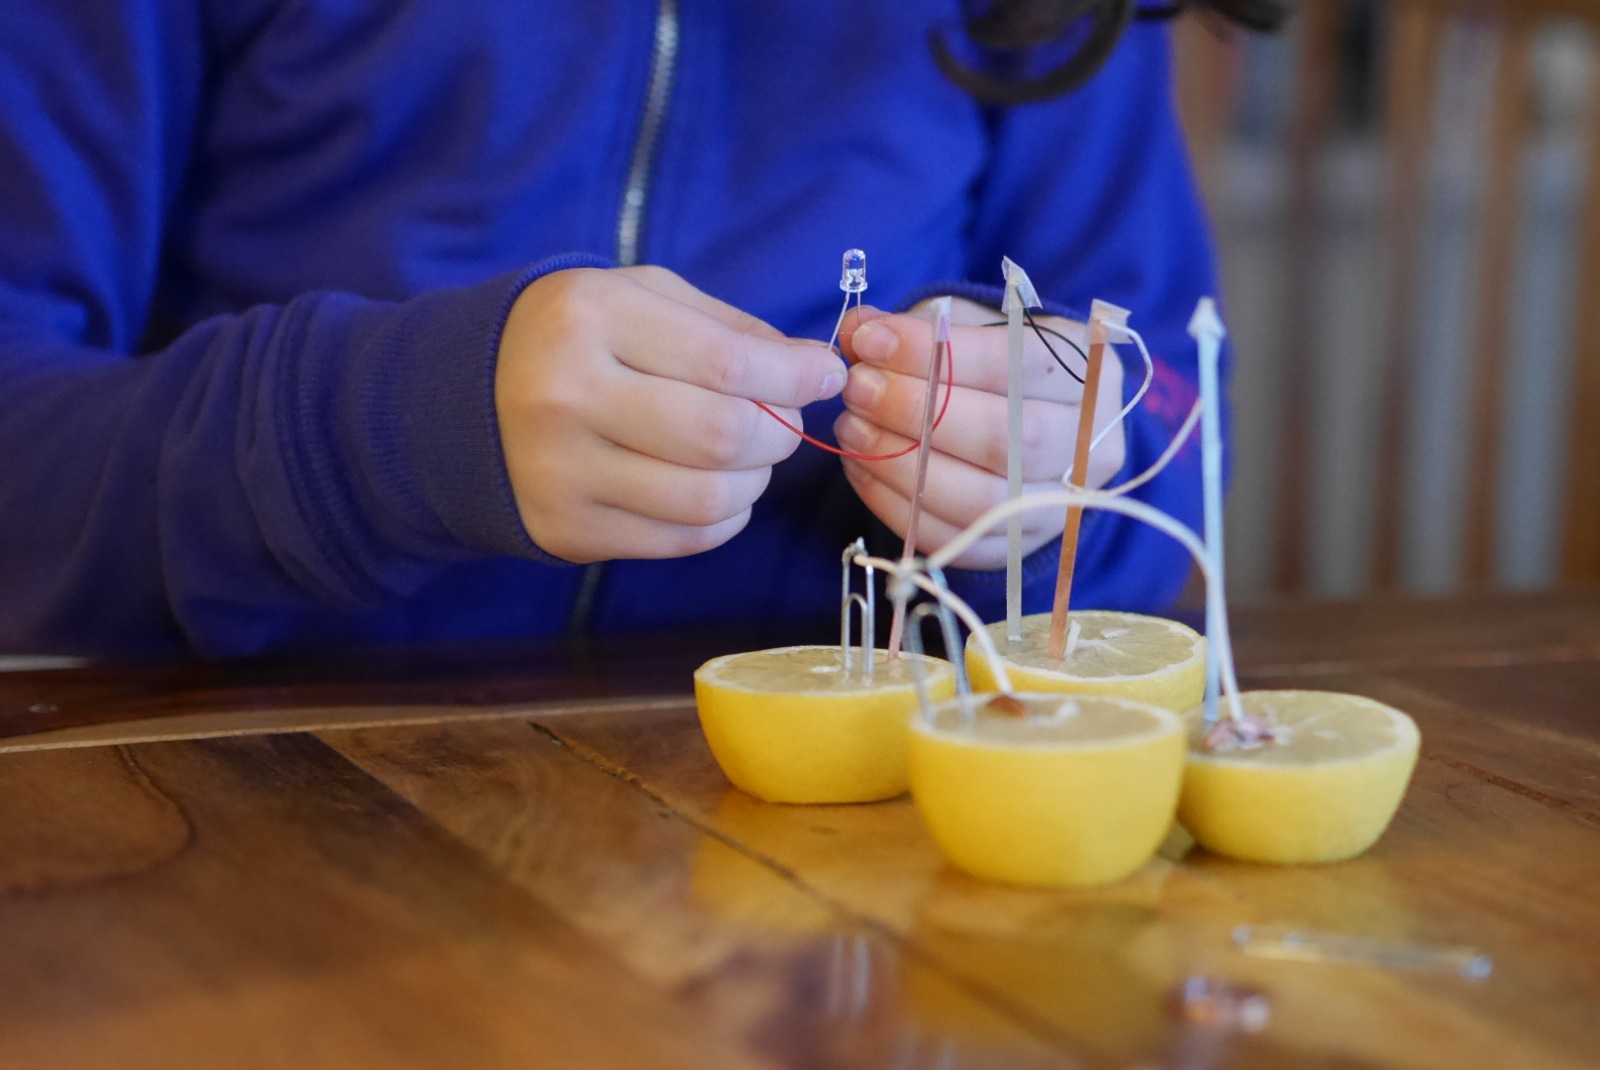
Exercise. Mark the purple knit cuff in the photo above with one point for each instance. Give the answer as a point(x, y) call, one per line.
point(450, 423)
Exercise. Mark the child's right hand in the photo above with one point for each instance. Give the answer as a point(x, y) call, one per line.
point(624, 400)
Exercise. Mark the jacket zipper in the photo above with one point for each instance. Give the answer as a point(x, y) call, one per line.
point(663, 69)
point(630, 221)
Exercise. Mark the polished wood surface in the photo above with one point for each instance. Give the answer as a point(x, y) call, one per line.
point(525, 856)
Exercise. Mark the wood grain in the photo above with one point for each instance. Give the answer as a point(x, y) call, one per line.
point(148, 702)
point(1032, 950)
point(768, 961)
point(309, 919)
point(300, 690)
point(95, 816)
point(571, 880)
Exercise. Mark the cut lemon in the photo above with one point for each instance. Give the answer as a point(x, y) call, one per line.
point(1148, 659)
point(1069, 790)
point(790, 725)
point(1324, 790)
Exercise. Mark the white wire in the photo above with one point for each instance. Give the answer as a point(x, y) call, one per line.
point(1110, 500)
point(1137, 510)
point(1165, 459)
point(1138, 396)
point(838, 324)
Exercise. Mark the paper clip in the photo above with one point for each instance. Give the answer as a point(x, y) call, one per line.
point(1303, 945)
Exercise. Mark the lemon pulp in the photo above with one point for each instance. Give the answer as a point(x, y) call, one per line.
point(1079, 790)
point(1323, 791)
point(791, 725)
point(1149, 659)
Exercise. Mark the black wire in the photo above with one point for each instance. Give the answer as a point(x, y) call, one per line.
point(1041, 332)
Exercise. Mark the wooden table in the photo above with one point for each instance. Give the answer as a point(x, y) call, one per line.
point(522, 858)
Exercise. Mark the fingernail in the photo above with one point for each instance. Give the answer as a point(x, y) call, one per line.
point(853, 432)
point(875, 342)
point(832, 384)
point(864, 388)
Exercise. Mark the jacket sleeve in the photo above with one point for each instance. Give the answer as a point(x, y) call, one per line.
point(1092, 194)
point(329, 451)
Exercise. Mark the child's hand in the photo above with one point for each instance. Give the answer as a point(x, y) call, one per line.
point(967, 469)
point(624, 406)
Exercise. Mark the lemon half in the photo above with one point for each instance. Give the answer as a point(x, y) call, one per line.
point(1148, 659)
point(790, 725)
point(1080, 790)
point(1323, 791)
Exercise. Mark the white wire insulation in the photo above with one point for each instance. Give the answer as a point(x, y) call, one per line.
point(1133, 403)
point(1137, 510)
point(1135, 482)
point(1207, 329)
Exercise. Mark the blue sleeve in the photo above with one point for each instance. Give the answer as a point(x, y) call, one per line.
point(331, 451)
point(1093, 195)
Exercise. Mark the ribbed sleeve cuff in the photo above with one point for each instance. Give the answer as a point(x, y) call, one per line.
point(446, 475)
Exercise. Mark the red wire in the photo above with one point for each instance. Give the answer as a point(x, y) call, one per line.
point(949, 388)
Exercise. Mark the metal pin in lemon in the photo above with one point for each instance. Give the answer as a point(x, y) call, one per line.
point(818, 724)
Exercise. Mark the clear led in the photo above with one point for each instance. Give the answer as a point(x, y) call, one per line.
point(853, 279)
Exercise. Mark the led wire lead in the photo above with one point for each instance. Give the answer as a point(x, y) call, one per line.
point(867, 602)
point(916, 573)
point(1304, 945)
point(853, 281)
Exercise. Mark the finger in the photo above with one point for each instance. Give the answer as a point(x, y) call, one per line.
point(589, 515)
point(619, 534)
point(662, 336)
point(853, 319)
point(670, 284)
point(935, 531)
point(974, 428)
point(705, 429)
point(690, 497)
point(979, 356)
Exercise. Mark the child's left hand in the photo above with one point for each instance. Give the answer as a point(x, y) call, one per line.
point(967, 468)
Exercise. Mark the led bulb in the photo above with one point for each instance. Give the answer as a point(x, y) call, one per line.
point(853, 280)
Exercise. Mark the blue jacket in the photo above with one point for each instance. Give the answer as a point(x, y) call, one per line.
point(255, 256)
